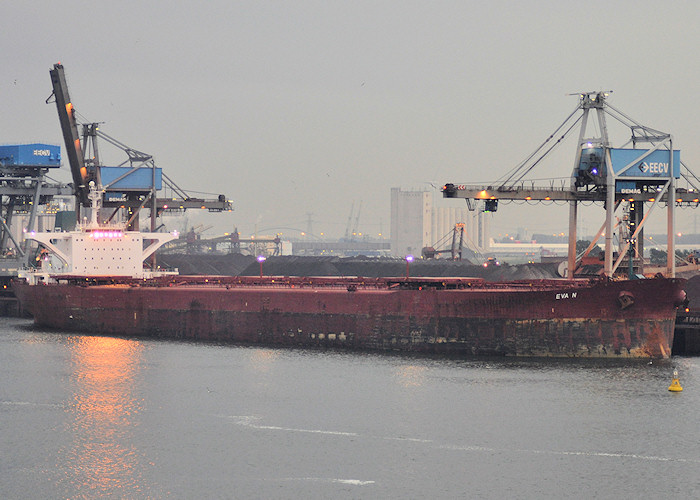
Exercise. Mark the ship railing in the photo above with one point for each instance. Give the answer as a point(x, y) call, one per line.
point(326, 282)
point(114, 226)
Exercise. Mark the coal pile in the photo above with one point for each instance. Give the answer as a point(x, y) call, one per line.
point(246, 265)
point(385, 267)
point(210, 264)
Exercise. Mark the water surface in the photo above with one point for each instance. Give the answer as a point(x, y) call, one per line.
point(89, 417)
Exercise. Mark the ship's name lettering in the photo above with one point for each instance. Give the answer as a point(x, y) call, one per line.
point(566, 295)
point(42, 152)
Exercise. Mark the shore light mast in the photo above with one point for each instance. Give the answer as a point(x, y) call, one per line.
point(261, 259)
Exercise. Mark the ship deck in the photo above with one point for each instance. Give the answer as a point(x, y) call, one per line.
point(341, 283)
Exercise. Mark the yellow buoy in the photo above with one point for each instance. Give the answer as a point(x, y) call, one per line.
point(675, 383)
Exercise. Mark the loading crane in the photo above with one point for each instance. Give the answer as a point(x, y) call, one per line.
point(132, 185)
point(456, 248)
point(601, 174)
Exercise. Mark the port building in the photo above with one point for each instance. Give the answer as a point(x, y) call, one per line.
point(417, 222)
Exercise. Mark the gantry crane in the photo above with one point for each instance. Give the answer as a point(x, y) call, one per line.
point(603, 174)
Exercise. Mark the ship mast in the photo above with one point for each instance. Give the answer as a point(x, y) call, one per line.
point(95, 196)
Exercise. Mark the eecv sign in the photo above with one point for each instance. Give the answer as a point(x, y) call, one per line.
point(633, 163)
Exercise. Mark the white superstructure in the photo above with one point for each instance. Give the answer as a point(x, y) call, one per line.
point(96, 249)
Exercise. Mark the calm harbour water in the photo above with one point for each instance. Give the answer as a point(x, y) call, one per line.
point(91, 417)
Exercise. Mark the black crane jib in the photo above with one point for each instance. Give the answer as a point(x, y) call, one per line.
point(69, 126)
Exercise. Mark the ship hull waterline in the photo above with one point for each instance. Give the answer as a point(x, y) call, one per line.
point(557, 318)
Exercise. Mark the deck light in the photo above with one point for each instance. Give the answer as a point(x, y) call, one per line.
point(261, 259)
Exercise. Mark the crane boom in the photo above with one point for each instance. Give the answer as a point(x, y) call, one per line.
point(69, 126)
point(348, 225)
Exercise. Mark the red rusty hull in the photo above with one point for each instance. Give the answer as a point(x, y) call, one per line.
point(457, 316)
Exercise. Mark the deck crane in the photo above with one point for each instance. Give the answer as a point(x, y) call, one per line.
point(133, 184)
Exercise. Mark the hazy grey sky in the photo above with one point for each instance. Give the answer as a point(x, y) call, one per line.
point(302, 107)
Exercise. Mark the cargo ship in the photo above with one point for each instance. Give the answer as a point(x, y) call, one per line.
point(93, 280)
point(458, 316)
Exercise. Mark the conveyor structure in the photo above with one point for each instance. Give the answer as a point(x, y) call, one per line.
point(24, 188)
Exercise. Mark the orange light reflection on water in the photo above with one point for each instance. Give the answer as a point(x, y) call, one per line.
point(262, 360)
point(103, 459)
point(411, 376)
